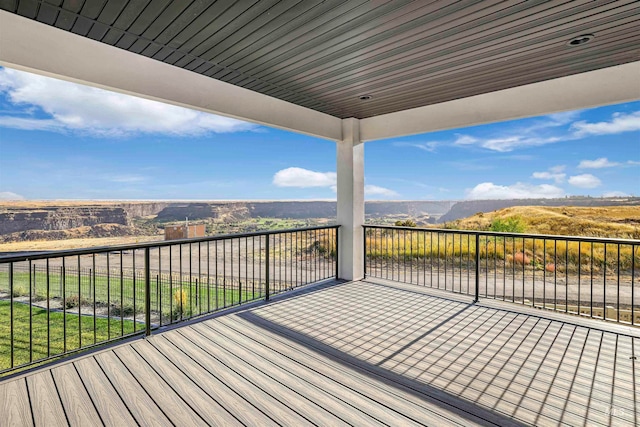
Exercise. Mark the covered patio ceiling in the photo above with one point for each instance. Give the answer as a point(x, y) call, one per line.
point(347, 71)
point(358, 59)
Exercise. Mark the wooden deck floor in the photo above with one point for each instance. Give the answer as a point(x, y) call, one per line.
point(358, 353)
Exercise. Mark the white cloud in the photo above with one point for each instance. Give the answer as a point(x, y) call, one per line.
point(374, 190)
point(615, 194)
point(426, 146)
point(554, 173)
point(465, 140)
point(507, 143)
point(584, 181)
point(600, 163)
point(619, 123)
point(303, 178)
point(550, 129)
point(558, 168)
point(489, 190)
point(73, 107)
point(8, 195)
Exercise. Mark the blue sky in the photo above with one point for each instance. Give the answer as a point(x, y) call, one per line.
point(59, 140)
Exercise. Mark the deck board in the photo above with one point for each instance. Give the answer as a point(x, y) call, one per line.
point(14, 404)
point(211, 411)
point(111, 408)
point(223, 393)
point(173, 406)
point(78, 406)
point(358, 353)
point(142, 407)
point(262, 398)
point(45, 402)
point(353, 408)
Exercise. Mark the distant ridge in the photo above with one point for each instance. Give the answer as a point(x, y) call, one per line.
point(470, 207)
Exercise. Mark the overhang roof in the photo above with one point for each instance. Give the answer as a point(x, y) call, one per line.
point(324, 55)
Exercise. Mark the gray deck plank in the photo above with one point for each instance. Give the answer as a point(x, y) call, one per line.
point(357, 353)
point(320, 412)
point(333, 396)
point(266, 398)
point(222, 392)
point(45, 403)
point(179, 412)
point(142, 407)
point(77, 403)
point(14, 404)
point(201, 403)
point(421, 407)
point(108, 403)
point(527, 353)
point(372, 397)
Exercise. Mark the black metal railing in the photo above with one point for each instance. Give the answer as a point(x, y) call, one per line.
point(60, 302)
point(593, 277)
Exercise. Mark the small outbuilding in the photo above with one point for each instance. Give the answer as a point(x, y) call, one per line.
point(174, 232)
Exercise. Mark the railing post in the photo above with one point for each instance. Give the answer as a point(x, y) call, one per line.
point(147, 291)
point(364, 252)
point(337, 251)
point(266, 280)
point(477, 290)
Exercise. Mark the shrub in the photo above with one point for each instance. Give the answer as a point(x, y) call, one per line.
point(73, 301)
point(19, 291)
point(180, 308)
point(405, 223)
point(513, 224)
point(125, 310)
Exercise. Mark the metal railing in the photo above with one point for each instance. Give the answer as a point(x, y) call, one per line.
point(592, 277)
point(60, 302)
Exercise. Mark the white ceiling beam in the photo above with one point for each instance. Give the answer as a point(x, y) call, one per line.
point(606, 86)
point(31, 46)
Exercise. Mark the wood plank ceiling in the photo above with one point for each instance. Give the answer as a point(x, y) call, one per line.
point(325, 55)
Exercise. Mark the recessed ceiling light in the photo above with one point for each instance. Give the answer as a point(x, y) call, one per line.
point(580, 40)
point(365, 97)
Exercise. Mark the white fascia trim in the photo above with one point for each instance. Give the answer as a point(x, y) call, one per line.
point(32, 46)
point(606, 86)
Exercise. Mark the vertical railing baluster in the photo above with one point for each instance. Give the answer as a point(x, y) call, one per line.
point(79, 304)
point(147, 291)
point(48, 309)
point(477, 260)
point(337, 253)
point(30, 314)
point(266, 275)
point(591, 275)
point(579, 274)
point(364, 249)
point(11, 315)
point(604, 285)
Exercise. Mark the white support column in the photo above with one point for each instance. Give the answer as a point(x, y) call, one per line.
point(350, 169)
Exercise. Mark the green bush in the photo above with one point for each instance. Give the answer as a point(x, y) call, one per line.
point(513, 224)
point(405, 223)
point(125, 311)
point(73, 301)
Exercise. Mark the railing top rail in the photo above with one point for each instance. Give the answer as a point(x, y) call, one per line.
point(158, 244)
point(518, 235)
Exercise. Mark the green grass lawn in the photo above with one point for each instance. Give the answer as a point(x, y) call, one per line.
point(122, 292)
point(55, 326)
point(175, 301)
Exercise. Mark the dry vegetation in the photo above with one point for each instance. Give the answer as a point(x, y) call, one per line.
point(614, 221)
point(54, 245)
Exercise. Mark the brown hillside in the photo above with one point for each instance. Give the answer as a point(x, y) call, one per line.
point(608, 221)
